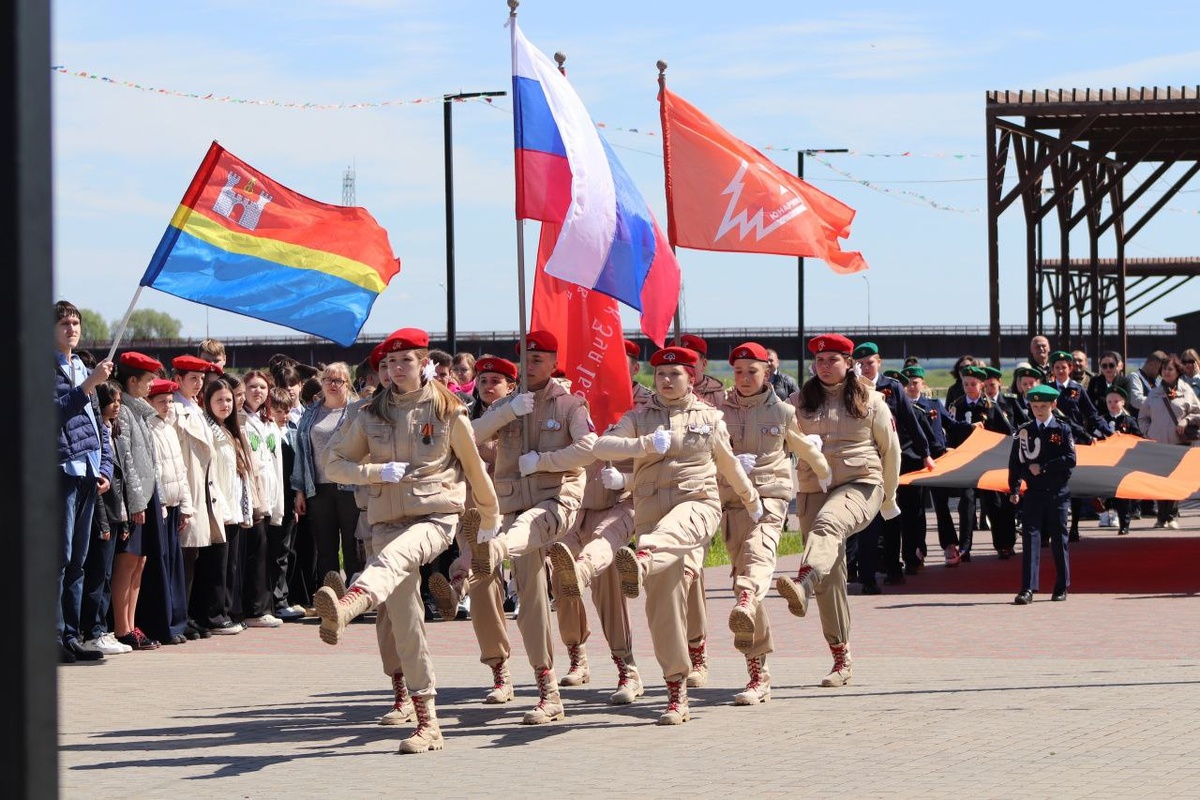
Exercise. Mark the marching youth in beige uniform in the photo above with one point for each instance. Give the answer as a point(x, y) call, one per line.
point(710, 390)
point(678, 445)
point(863, 451)
point(762, 428)
point(583, 558)
point(412, 446)
point(540, 491)
point(495, 379)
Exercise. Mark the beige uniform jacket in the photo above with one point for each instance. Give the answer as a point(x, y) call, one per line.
point(595, 496)
point(709, 390)
point(439, 455)
point(687, 472)
point(858, 450)
point(765, 426)
point(561, 434)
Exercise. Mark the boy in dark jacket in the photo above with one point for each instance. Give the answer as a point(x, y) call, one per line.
point(1043, 456)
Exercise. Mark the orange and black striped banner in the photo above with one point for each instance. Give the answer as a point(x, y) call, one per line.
point(1120, 466)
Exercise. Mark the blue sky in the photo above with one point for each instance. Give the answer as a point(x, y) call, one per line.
point(875, 77)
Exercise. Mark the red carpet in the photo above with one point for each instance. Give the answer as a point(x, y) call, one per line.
point(1149, 562)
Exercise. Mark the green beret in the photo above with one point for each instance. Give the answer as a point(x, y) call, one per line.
point(1042, 392)
point(865, 349)
point(973, 372)
point(1061, 355)
point(992, 372)
point(897, 376)
point(914, 371)
point(1029, 372)
point(1117, 390)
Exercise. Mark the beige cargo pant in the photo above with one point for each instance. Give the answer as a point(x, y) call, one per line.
point(487, 607)
point(596, 536)
point(676, 549)
point(752, 548)
point(829, 520)
point(524, 535)
point(392, 579)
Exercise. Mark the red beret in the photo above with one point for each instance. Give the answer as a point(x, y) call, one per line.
point(162, 386)
point(501, 366)
point(678, 356)
point(377, 356)
point(693, 342)
point(404, 339)
point(632, 350)
point(752, 350)
point(191, 364)
point(140, 361)
point(540, 342)
point(830, 342)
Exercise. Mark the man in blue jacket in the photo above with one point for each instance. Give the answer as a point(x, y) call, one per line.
point(85, 458)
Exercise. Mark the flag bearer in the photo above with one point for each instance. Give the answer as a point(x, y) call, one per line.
point(540, 491)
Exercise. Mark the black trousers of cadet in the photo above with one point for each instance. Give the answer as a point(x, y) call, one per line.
point(868, 550)
point(966, 520)
point(912, 525)
point(1044, 515)
point(1002, 516)
point(947, 535)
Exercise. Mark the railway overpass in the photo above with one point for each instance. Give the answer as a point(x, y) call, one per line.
point(895, 342)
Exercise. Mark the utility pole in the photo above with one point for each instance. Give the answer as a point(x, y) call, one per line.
point(800, 263)
point(448, 101)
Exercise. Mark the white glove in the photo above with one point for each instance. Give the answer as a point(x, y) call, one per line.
point(890, 512)
point(747, 461)
point(825, 484)
point(612, 478)
point(528, 463)
point(662, 440)
point(393, 471)
point(756, 512)
point(486, 534)
point(522, 404)
point(816, 439)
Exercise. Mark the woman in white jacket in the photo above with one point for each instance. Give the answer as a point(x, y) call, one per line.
point(166, 573)
point(1164, 416)
point(206, 527)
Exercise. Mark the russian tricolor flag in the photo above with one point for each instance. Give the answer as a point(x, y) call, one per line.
point(568, 175)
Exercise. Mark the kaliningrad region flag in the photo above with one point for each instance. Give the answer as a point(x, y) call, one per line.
point(244, 243)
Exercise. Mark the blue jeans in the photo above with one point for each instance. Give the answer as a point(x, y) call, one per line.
point(80, 496)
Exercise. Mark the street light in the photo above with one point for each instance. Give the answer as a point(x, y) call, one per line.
point(868, 282)
point(448, 101)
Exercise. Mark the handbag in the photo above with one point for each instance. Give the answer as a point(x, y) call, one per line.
point(1191, 431)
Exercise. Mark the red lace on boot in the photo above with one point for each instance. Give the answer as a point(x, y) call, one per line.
point(839, 656)
point(422, 718)
point(498, 681)
point(622, 672)
point(754, 667)
point(399, 690)
point(674, 690)
point(696, 656)
point(575, 651)
point(805, 571)
point(744, 599)
point(546, 685)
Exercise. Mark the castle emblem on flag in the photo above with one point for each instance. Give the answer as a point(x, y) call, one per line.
point(228, 200)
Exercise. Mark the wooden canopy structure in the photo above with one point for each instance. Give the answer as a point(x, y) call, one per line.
point(1080, 145)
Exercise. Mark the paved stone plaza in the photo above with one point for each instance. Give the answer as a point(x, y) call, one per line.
point(956, 693)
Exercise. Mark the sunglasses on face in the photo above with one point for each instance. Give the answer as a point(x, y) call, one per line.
point(333, 381)
point(1189, 361)
point(1108, 365)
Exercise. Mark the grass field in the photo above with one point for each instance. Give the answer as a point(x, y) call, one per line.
point(791, 543)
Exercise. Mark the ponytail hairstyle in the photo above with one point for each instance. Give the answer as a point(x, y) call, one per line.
point(445, 402)
point(856, 394)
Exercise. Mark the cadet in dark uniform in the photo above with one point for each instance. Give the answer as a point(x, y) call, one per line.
point(1043, 456)
point(998, 512)
point(973, 408)
point(1122, 421)
point(934, 419)
point(914, 455)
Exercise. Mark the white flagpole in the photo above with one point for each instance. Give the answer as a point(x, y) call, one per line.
point(524, 379)
point(124, 322)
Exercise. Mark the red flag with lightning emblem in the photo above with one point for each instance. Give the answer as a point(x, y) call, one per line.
point(722, 194)
point(591, 346)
